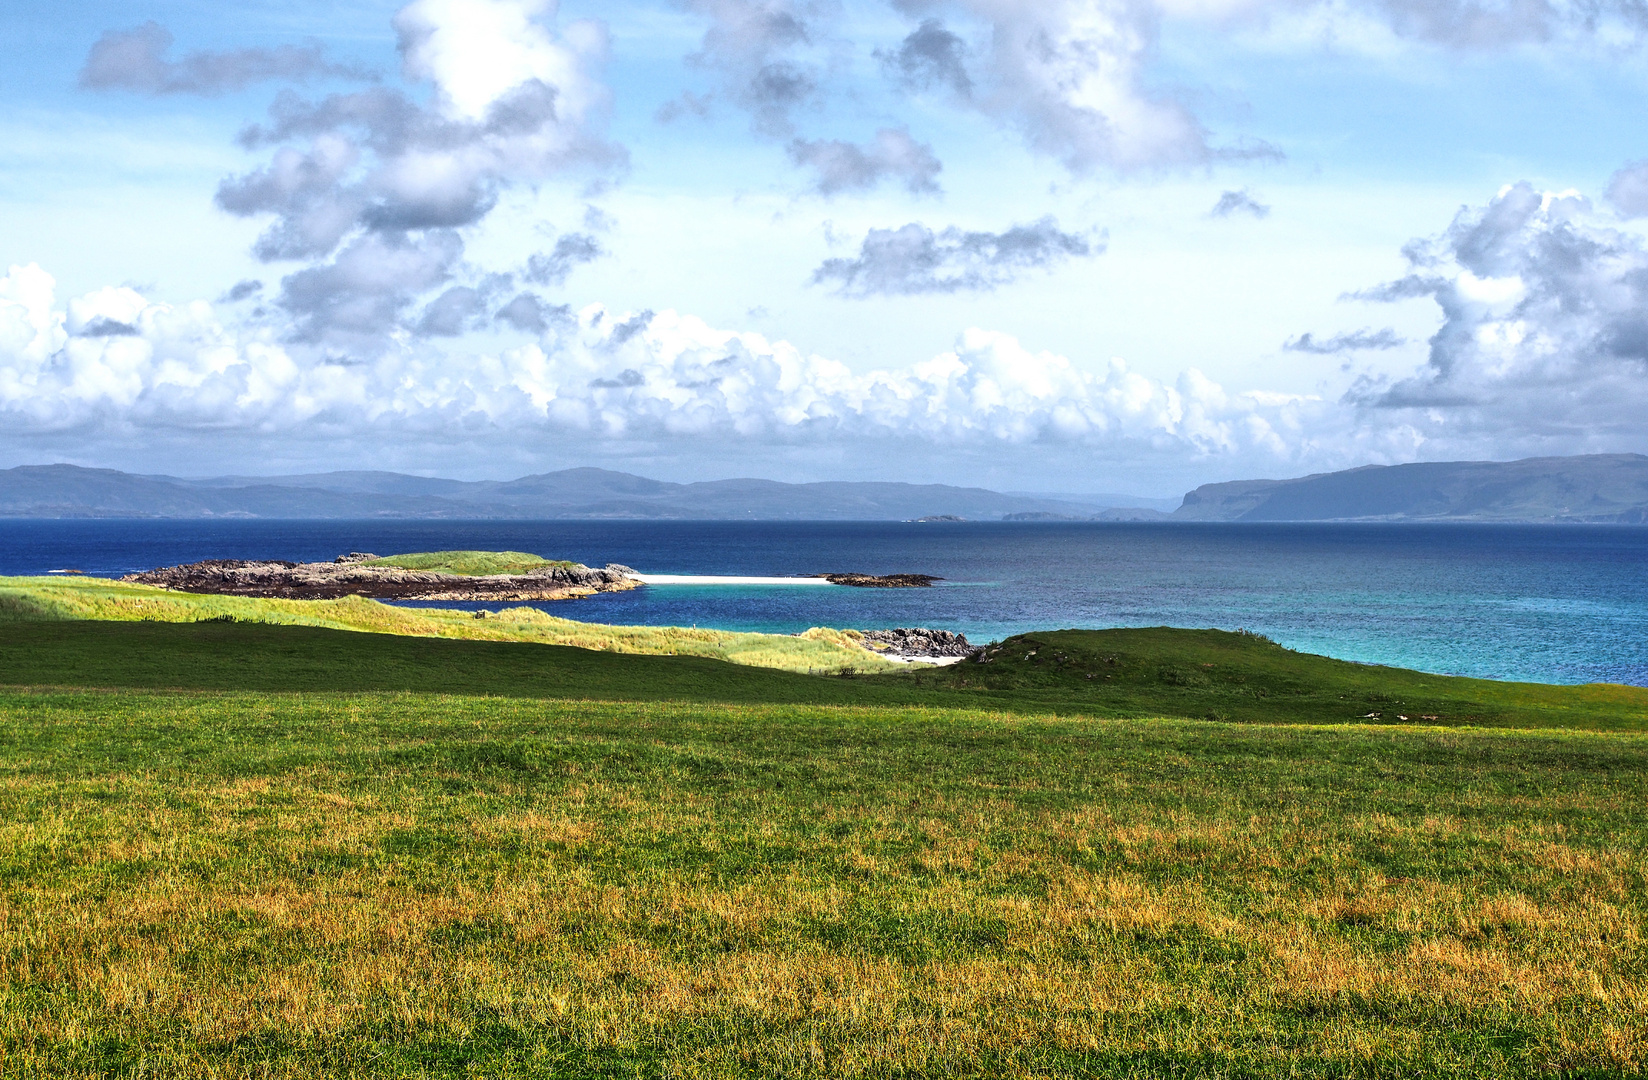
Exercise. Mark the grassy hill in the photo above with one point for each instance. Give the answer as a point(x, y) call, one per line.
point(235, 849)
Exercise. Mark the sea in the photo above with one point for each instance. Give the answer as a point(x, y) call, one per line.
point(1557, 604)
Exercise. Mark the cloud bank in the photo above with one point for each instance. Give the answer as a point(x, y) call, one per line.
point(595, 376)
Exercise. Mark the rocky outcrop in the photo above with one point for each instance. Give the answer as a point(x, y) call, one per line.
point(346, 577)
point(917, 641)
point(888, 581)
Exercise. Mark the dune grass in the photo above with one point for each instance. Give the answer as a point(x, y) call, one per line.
point(37, 599)
point(470, 563)
point(324, 884)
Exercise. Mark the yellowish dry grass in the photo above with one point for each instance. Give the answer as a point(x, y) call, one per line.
point(820, 649)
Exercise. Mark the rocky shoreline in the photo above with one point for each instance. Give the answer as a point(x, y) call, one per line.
point(347, 577)
point(918, 643)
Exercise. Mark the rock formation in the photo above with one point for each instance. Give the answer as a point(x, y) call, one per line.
point(917, 641)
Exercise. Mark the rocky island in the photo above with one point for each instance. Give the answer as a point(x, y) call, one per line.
point(884, 581)
point(436, 576)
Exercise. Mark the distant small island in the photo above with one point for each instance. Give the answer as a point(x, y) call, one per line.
point(884, 581)
point(437, 575)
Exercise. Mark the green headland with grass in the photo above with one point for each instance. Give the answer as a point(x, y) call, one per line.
point(251, 842)
point(470, 563)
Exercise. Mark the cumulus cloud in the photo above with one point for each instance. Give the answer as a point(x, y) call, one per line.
point(1069, 75)
point(930, 57)
point(598, 375)
point(370, 187)
point(1544, 336)
point(455, 311)
point(765, 51)
point(555, 266)
point(915, 259)
point(844, 166)
point(528, 313)
point(136, 60)
point(1628, 190)
point(1239, 202)
point(1349, 341)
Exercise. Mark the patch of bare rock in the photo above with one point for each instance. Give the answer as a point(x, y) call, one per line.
point(913, 642)
point(347, 577)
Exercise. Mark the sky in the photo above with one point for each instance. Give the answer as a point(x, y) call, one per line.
point(1035, 245)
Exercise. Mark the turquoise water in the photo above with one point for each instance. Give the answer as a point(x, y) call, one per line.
point(1552, 604)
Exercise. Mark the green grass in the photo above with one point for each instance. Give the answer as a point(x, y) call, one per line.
point(470, 563)
point(236, 884)
point(1158, 672)
point(1217, 675)
point(249, 849)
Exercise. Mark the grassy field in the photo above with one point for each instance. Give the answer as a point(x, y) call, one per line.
point(469, 563)
point(299, 851)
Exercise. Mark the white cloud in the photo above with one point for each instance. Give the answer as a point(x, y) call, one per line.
point(376, 186)
point(602, 377)
point(1544, 338)
point(477, 51)
point(1068, 74)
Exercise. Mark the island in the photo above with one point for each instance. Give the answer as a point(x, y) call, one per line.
point(883, 581)
point(438, 575)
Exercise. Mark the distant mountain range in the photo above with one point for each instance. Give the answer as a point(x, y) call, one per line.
point(1599, 488)
point(55, 491)
point(1611, 488)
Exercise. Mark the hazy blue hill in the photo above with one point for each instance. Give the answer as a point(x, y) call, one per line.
point(359, 482)
point(1602, 488)
point(52, 491)
point(71, 491)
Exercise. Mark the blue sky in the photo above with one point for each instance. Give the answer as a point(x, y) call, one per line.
point(1108, 246)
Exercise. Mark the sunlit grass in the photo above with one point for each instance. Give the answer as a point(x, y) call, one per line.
point(100, 599)
point(471, 563)
point(311, 885)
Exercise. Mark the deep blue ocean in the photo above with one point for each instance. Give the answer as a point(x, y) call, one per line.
point(1562, 604)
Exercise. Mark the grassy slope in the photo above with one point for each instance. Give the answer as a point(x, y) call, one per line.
point(917, 875)
point(1157, 673)
point(472, 563)
point(385, 885)
point(97, 599)
point(1216, 675)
